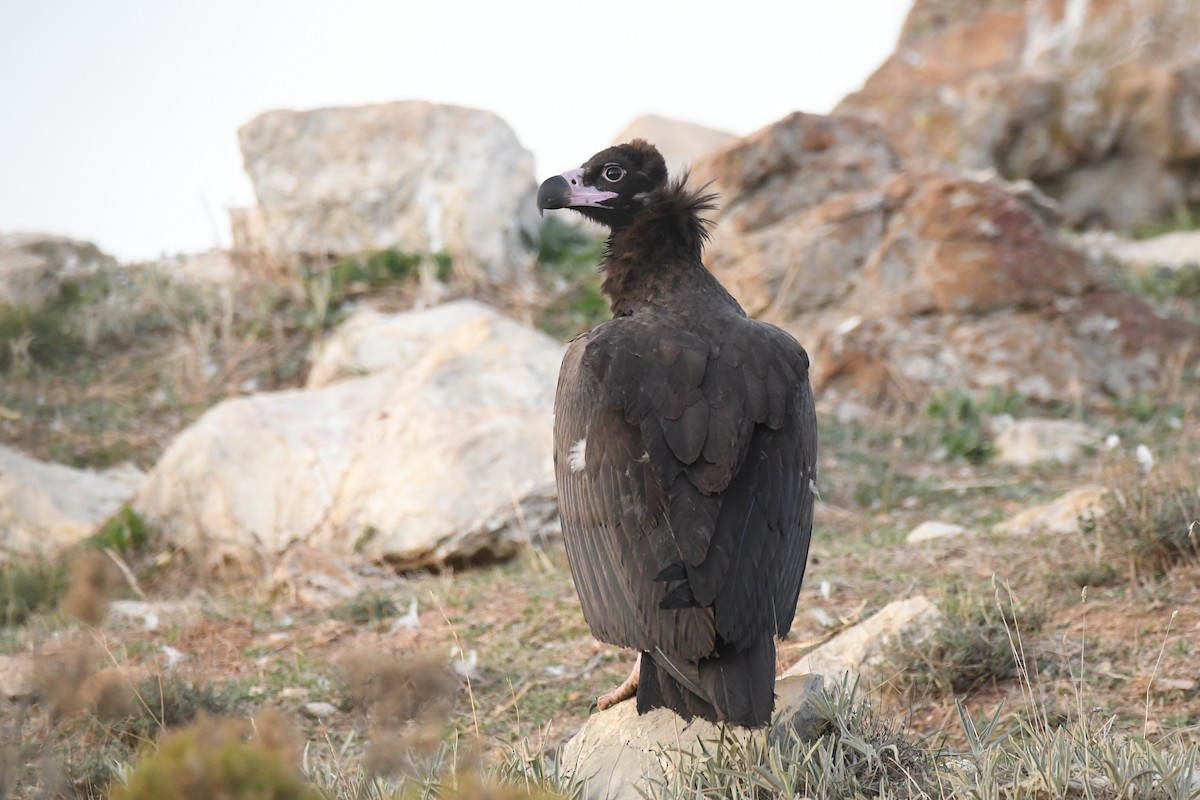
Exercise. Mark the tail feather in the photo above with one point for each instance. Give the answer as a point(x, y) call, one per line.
point(737, 688)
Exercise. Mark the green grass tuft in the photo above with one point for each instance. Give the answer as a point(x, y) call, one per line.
point(125, 532)
point(29, 587)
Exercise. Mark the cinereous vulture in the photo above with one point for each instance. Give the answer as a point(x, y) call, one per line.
point(685, 449)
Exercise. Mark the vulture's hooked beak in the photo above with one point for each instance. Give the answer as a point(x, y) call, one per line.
point(568, 191)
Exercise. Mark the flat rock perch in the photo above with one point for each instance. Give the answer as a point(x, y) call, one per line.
point(618, 754)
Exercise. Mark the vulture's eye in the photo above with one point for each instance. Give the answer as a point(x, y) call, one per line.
point(612, 173)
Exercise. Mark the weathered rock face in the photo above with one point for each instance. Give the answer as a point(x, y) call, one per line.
point(794, 164)
point(1097, 101)
point(46, 508)
point(681, 143)
point(415, 176)
point(441, 455)
point(618, 755)
point(32, 265)
point(902, 281)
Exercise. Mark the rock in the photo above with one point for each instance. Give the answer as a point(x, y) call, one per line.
point(1093, 101)
point(16, 676)
point(934, 529)
point(1025, 442)
point(315, 579)
point(46, 508)
point(617, 754)
point(681, 143)
point(1061, 516)
point(853, 654)
point(319, 710)
point(369, 342)
point(445, 458)
point(33, 265)
point(414, 176)
point(1170, 250)
point(794, 164)
point(903, 281)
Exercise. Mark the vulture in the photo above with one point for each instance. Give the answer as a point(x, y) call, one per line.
point(685, 445)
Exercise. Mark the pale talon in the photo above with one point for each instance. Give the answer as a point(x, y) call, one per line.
point(626, 690)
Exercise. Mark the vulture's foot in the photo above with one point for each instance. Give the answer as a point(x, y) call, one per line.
point(626, 690)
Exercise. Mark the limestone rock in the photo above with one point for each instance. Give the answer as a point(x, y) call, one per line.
point(1095, 101)
point(617, 753)
point(419, 177)
point(45, 508)
point(681, 143)
point(934, 529)
point(1061, 516)
point(854, 653)
point(33, 265)
point(1025, 442)
point(369, 342)
point(446, 458)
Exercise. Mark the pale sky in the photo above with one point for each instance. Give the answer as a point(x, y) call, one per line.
point(119, 118)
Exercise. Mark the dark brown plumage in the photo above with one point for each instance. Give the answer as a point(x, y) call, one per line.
point(685, 452)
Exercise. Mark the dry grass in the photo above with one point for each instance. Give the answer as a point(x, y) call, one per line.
point(1061, 697)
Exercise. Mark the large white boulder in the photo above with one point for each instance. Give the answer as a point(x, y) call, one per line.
point(415, 176)
point(442, 455)
point(45, 508)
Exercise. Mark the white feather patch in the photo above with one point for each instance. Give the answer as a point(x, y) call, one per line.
point(577, 456)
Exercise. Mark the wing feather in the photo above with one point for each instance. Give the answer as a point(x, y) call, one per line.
point(689, 519)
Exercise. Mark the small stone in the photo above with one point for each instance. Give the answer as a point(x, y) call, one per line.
point(319, 710)
point(934, 529)
point(16, 676)
point(1061, 516)
point(1162, 685)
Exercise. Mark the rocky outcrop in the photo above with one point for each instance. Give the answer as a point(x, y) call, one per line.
point(33, 265)
point(439, 453)
point(46, 508)
point(901, 281)
point(1099, 102)
point(619, 755)
point(415, 176)
point(681, 143)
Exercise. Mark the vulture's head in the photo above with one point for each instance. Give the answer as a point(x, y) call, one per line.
point(611, 187)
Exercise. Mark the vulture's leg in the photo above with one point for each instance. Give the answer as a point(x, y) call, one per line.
point(626, 690)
